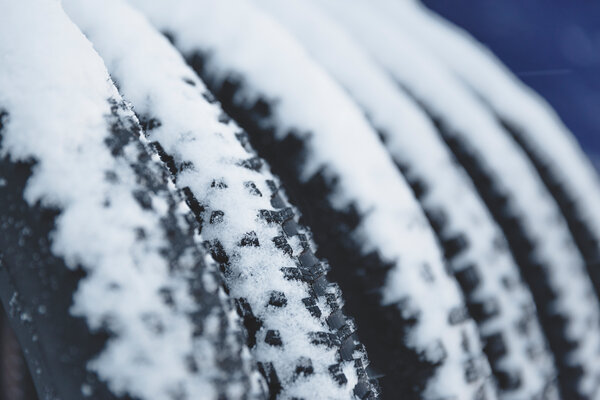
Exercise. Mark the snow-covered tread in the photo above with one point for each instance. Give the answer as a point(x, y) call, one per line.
point(572, 181)
point(106, 285)
point(303, 343)
point(365, 219)
point(509, 185)
point(473, 244)
point(559, 160)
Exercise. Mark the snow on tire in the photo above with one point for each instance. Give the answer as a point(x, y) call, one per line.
point(532, 223)
point(555, 153)
point(473, 244)
point(108, 290)
point(303, 343)
point(379, 243)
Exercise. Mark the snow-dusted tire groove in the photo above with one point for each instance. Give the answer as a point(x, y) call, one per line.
point(109, 290)
point(559, 160)
point(573, 202)
point(536, 274)
point(386, 329)
point(305, 347)
point(502, 305)
point(315, 304)
point(24, 274)
point(473, 244)
point(365, 226)
point(508, 183)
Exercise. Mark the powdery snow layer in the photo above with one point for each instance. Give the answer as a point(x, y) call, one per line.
point(303, 344)
point(147, 283)
point(473, 243)
point(513, 191)
point(566, 171)
point(257, 69)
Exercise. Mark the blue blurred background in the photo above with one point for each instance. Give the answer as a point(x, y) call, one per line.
point(553, 46)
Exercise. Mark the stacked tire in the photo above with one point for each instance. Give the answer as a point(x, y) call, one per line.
point(199, 200)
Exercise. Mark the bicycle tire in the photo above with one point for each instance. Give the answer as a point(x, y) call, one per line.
point(304, 345)
point(254, 102)
point(473, 244)
point(91, 302)
point(532, 223)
